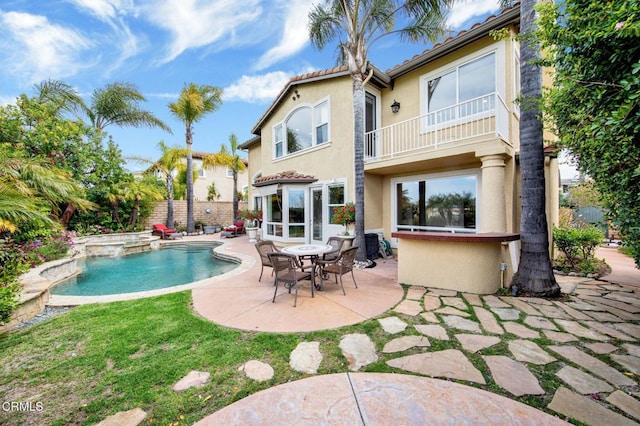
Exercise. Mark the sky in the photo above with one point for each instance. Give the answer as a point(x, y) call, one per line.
point(249, 48)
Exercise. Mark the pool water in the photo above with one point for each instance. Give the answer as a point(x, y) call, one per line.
point(167, 267)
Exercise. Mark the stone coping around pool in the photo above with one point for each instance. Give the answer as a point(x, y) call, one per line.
point(223, 251)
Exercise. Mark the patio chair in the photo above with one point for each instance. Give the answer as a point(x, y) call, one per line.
point(337, 243)
point(164, 232)
point(338, 267)
point(265, 247)
point(288, 271)
point(235, 229)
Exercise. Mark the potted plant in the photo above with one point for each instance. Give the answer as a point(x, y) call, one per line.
point(252, 219)
point(344, 215)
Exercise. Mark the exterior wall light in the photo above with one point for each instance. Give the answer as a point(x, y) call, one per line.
point(395, 106)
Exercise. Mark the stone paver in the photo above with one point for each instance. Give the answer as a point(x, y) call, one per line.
point(472, 299)
point(449, 363)
point(626, 403)
point(488, 321)
point(610, 331)
point(494, 302)
point(459, 323)
point(433, 330)
point(601, 348)
point(527, 351)
point(604, 316)
point(582, 382)
point(633, 309)
point(585, 409)
point(431, 303)
point(442, 292)
point(632, 349)
point(409, 307)
point(593, 365)
point(553, 312)
point(579, 330)
point(192, 379)
point(507, 314)
point(540, 322)
point(125, 418)
point(456, 302)
point(519, 304)
point(405, 342)
point(415, 293)
point(449, 310)
point(581, 305)
point(624, 297)
point(392, 325)
point(475, 342)
point(520, 330)
point(560, 337)
point(359, 350)
point(537, 301)
point(259, 371)
point(629, 362)
point(627, 328)
point(306, 357)
point(513, 376)
point(430, 317)
point(576, 314)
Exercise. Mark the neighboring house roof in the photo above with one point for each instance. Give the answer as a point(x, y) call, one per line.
point(510, 15)
point(249, 143)
point(289, 176)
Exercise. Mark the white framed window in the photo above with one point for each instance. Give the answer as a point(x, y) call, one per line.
point(229, 173)
point(439, 202)
point(305, 127)
point(286, 212)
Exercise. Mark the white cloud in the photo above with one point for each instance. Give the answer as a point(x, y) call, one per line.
point(464, 10)
point(7, 100)
point(258, 88)
point(33, 49)
point(194, 23)
point(105, 10)
point(295, 34)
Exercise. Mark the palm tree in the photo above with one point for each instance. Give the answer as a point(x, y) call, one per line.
point(535, 272)
point(136, 192)
point(357, 24)
point(167, 165)
point(231, 159)
point(195, 101)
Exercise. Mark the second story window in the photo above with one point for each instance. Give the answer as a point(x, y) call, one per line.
point(466, 90)
point(305, 127)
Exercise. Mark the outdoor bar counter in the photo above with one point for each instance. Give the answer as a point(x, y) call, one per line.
point(469, 263)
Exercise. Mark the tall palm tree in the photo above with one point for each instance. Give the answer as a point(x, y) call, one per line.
point(535, 272)
point(231, 159)
point(195, 101)
point(357, 24)
point(167, 165)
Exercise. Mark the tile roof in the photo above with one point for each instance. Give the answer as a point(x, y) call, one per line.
point(289, 176)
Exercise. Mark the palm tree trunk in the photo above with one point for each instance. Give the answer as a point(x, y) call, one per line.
point(358, 153)
point(191, 225)
point(535, 273)
point(170, 219)
point(235, 195)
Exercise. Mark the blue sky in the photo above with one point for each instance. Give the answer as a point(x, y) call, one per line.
point(249, 48)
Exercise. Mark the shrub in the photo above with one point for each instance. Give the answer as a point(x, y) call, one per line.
point(11, 266)
point(578, 245)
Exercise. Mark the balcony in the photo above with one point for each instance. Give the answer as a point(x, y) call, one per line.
point(483, 116)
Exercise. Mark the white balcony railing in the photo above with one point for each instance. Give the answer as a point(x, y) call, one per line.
point(486, 115)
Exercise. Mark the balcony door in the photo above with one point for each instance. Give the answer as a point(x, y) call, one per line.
point(317, 222)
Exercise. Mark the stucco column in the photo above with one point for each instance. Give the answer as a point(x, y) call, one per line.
point(493, 216)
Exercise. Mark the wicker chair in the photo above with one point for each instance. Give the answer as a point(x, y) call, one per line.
point(289, 271)
point(338, 267)
point(265, 247)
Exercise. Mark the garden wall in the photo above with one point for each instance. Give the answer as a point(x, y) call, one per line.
point(221, 212)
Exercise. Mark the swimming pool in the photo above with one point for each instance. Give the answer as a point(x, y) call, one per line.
point(173, 265)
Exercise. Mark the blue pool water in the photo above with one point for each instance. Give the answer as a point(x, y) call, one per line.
point(170, 266)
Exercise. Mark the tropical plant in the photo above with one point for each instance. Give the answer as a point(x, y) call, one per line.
point(195, 102)
point(137, 192)
point(212, 192)
point(357, 25)
point(595, 99)
point(230, 158)
point(535, 271)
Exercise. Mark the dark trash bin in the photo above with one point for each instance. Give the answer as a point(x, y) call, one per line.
point(372, 245)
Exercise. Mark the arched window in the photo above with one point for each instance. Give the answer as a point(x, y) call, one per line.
point(305, 127)
point(299, 134)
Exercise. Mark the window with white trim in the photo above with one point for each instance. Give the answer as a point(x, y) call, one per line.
point(437, 203)
point(463, 91)
point(285, 212)
point(305, 127)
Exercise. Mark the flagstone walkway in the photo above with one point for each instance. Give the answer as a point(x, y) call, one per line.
point(580, 357)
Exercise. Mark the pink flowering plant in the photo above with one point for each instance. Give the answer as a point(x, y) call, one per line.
point(344, 215)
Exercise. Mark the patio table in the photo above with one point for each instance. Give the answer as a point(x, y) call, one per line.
point(312, 250)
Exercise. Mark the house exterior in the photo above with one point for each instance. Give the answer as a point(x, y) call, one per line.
point(441, 157)
point(220, 176)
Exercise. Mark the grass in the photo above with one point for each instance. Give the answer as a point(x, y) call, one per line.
point(96, 360)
